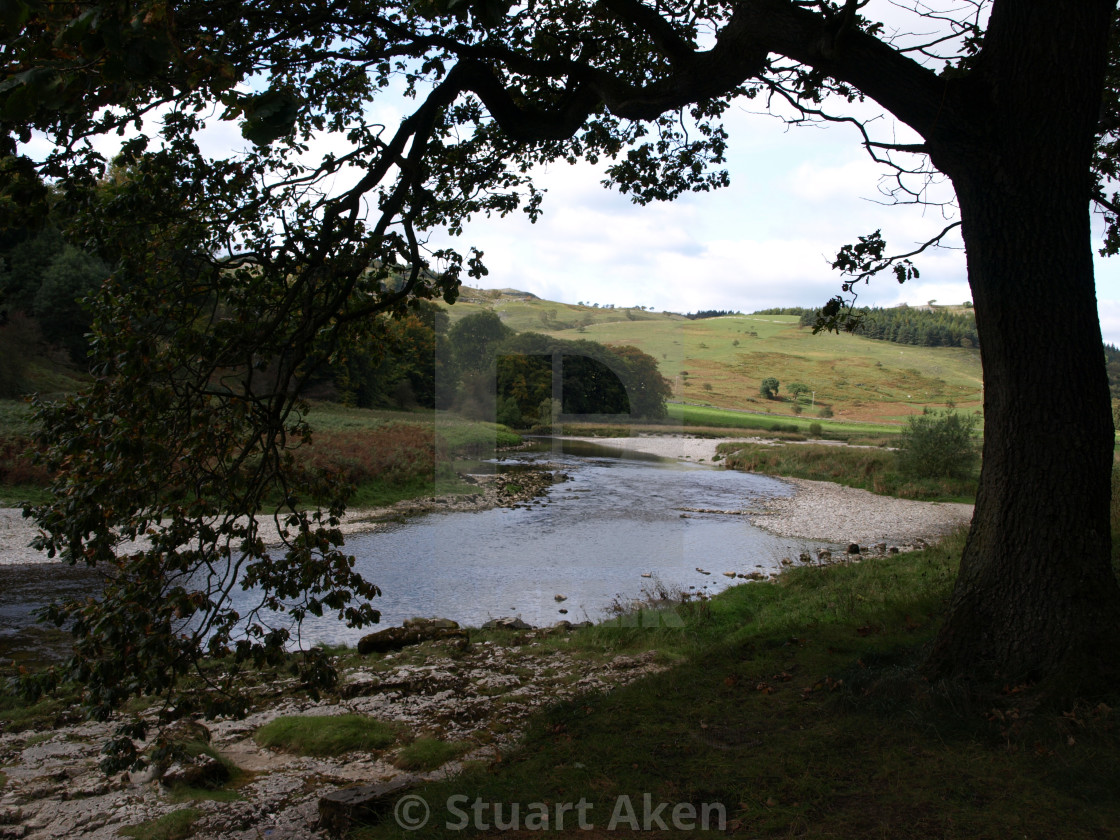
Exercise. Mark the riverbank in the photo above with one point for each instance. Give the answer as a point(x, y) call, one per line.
point(819, 510)
point(771, 704)
point(493, 490)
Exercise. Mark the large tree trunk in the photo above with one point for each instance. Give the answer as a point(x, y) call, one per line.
point(1036, 598)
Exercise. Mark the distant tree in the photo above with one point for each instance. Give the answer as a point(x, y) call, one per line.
point(473, 339)
point(769, 388)
point(797, 389)
point(938, 445)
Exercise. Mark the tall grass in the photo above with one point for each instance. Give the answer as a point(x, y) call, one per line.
point(866, 468)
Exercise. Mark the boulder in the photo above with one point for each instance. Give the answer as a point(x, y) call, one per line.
point(185, 730)
point(507, 623)
point(824, 554)
point(203, 771)
point(340, 809)
point(432, 623)
point(853, 548)
point(396, 638)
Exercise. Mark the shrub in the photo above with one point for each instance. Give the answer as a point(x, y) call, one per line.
point(815, 429)
point(825, 412)
point(937, 445)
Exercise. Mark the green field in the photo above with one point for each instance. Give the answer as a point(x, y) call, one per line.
point(720, 362)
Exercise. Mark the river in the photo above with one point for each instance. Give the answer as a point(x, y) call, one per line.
point(614, 529)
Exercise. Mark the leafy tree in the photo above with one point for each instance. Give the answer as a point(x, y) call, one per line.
point(937, 445)
point(474, 339)
point(236, 278)
point(797, 389)
point(769, 388)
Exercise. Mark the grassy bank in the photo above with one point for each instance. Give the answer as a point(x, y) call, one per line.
point(387, 456)
point(708, 416)
point(867, 468)
point(797, 708)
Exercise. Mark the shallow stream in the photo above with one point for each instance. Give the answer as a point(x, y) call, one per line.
point(616, 528)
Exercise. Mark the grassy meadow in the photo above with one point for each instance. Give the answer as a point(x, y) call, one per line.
point(386, 455)
point(721, 362)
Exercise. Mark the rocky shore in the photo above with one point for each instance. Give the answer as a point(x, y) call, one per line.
point(473, 694)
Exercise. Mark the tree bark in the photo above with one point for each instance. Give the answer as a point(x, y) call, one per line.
point(1036, 598)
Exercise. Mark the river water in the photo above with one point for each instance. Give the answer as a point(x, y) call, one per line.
point(614, 529)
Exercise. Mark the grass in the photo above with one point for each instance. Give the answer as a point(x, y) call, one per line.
point(333, 735)
point(18, 715)
point(797, 707)
point(387, 456)
point(426, 754)
point(707, 416)
point(867, 468)
point(173, 826)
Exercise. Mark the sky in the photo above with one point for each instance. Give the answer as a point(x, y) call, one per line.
point(797, 195)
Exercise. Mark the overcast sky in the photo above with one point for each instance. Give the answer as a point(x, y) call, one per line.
point(796, 195)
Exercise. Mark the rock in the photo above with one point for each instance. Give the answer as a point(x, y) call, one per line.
point(507, 623)
point(185, 730)
point(559, 598)
point(805, 558)
point(396, 638)
point(432, 623)
point(729, 574)
point(564, 625)
point(853, 548)
point(823, 554)
point(563, 612)
point(647, 574)
point(204, 771)
point(787, 562)
point(892, 550)
point(881, 547)
point(340, 809)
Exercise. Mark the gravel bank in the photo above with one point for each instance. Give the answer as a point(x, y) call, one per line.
point(665, 446)
point(821, 510)
point(825, 511)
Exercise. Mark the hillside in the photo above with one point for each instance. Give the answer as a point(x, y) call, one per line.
point(722, 361)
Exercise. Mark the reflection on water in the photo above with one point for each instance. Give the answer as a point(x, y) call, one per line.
point(615, 527)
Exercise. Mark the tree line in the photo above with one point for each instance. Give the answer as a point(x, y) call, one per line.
point(918, 327)
point(483, 369)
point(43, 279)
